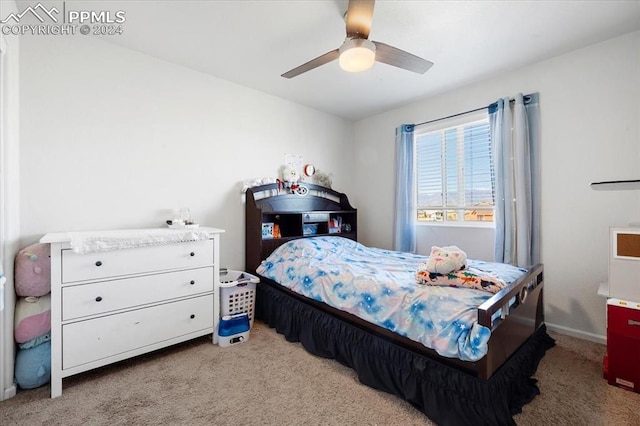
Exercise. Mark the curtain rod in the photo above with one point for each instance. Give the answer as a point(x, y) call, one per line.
point(527, 99)
point(454, 115)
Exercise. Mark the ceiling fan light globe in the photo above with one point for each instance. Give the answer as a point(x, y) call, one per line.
point(357, 55)
point(357, 59)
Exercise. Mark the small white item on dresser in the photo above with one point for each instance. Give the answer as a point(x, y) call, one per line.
point(118, 294)
point(185, 215)
point(183, 226)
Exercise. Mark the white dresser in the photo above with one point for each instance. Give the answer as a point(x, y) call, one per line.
point(112, 305)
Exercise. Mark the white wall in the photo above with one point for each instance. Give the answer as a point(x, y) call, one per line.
point(112, 138)
point(590, 118)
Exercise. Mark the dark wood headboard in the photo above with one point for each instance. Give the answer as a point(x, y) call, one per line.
point(294, 216)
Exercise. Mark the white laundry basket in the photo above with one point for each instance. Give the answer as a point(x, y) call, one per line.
point(237, 293)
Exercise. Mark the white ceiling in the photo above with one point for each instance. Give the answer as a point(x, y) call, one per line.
point(253, 42)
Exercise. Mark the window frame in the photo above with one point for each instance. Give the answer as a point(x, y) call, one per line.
point(440, 125)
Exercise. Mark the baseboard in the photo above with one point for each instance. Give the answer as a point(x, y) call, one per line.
point(9, 392)
point(597, 338)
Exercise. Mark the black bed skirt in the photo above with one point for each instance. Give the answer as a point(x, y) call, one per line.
point(446, 395)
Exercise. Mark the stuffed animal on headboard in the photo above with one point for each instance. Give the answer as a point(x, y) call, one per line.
point(443, 260)
point(32, 271)
point(290, 176)
point(291, 181)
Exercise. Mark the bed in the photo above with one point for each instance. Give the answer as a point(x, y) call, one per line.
point(451, 389)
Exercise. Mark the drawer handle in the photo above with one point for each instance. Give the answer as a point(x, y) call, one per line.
point(99, 299)
point(192, 254)
point(192, 316)
point(98, 263)
point(632, 322)
point(192, 282)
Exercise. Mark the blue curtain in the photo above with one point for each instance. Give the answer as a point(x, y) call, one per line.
point(404, 229)
point(515, 136)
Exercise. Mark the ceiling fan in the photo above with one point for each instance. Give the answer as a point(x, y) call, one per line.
point(358, 53)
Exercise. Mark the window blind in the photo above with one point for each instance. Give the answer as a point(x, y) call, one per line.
point(454, 167)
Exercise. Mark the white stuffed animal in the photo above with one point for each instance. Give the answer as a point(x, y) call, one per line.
point(458, 255)
point(290, 175)
point(444, 260)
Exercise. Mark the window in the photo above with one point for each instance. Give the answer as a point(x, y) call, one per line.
point(454, 171)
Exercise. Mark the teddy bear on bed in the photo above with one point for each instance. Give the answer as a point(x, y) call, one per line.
point(444, 260)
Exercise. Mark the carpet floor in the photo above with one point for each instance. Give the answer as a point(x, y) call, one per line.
point(269, 381)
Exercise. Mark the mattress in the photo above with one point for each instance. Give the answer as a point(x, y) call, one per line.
point(379, 286)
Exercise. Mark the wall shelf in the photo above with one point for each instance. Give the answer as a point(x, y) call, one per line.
point(615, 185)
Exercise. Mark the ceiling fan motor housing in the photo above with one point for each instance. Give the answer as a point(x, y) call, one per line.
point(351, 43)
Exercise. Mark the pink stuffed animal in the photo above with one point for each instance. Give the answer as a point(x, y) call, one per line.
point(33, 270)
point(32, 317)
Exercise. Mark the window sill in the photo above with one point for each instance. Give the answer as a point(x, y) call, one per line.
point(451, 224)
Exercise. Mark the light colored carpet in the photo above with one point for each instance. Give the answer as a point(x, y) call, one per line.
point(269, 381)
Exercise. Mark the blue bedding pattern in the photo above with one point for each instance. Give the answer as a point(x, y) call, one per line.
point(380, 287)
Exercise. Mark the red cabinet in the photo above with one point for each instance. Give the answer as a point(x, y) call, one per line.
point(623, 344)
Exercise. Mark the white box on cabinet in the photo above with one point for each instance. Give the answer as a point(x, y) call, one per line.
point(624, 263)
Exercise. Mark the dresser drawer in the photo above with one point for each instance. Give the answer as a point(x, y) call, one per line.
point(623, 321)
point(83, 267)
point(106, 296)
point(96, 339)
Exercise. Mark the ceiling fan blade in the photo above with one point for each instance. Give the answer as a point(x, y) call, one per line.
point(399, 58)
point(314, 63)
point(359, 17)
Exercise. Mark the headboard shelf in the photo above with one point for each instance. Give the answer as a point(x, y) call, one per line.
point(275, 216)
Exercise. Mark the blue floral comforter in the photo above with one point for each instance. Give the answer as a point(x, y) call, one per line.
point(380, 287)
